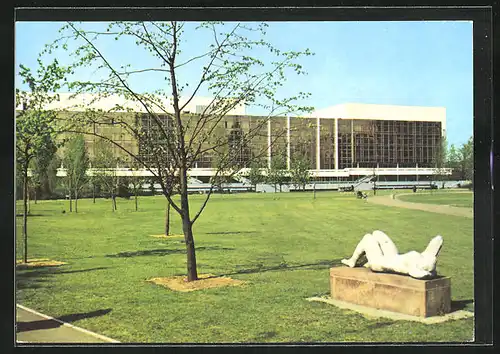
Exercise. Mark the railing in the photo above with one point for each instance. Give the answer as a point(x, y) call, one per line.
point(195, 172)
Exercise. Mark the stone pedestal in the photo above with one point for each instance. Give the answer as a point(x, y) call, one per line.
point(392, 292)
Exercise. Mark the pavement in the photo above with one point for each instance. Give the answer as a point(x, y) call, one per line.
point(34, 327)
point(376, 313)
point(393, 200)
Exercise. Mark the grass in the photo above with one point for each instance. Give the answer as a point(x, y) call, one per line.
point(463, 199)
point(281, 246)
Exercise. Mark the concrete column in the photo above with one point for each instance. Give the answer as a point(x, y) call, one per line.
point(288, 142)
point(336, 147)
point(269, 143)
point(352, 142)
point(318, 158)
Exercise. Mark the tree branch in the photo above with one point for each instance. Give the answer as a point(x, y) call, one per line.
point(135, 157)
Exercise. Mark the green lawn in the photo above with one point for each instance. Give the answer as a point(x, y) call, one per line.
point(462, 199)
point(282, 245)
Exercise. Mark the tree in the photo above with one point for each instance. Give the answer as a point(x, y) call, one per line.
point(467, 160)
point(43, 171)
point(34, 125)
point(92, 180)
point(76, 162)
point(176, 141)
point(453, 159)
point(299, 170)
point(105, 163)
point(137, 181)
point(255, 174)
point(439, 161)
point(277, 173)
point(152, 187)
point(172, 186)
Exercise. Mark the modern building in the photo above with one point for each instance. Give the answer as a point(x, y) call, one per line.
point(341, 142)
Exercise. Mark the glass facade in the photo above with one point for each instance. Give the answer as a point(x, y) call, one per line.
point(303, 142)
point(360, 143)
point(279, 141)
point(327, 144)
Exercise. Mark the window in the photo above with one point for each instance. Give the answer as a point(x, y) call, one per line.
point(200, 108)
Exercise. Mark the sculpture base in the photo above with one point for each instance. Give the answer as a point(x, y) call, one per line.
point(392, 292)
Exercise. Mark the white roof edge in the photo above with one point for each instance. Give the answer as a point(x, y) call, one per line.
point(382, 112)
point(109, 102)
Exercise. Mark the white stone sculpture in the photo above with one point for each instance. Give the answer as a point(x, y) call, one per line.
point(383, 256)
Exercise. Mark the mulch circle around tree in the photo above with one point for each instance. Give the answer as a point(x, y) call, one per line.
point(38, 262)
point(205, 281)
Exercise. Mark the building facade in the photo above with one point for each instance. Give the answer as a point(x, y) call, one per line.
point(340, 141)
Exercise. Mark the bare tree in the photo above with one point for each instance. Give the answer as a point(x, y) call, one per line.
point(176, 141)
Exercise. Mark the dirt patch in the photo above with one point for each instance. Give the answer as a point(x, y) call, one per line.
point(205, 281)
point(169, 236)
point(38, 262)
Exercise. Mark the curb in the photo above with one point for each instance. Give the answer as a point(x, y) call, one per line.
point(99, 336)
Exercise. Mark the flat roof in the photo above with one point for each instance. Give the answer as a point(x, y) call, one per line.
point(340, 111)
point(382, 112)
point(75, 103)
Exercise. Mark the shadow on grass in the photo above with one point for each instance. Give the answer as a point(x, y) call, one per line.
point(230, 232)
point(30, 215)
point(323, 264)
point(166, 251)
point(47, 324)
point(82, 270)
point(460, 304)
point(37, 278)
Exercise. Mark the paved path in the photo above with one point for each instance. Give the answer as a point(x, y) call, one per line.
point(389, 200)
point(34, 327)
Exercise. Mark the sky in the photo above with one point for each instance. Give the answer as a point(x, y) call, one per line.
point(414, 63)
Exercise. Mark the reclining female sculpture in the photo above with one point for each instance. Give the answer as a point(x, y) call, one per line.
point(383, 256)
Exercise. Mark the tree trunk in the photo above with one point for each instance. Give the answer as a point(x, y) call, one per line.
point(70, 200)
point(113, 202)
point(136, 208)
point(25, 215)
point(93, 193)
point(167, 219)
point(187, 228)
point(76, 200)
point(34, 191)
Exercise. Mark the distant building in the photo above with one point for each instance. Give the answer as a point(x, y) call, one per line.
point(341, 142)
